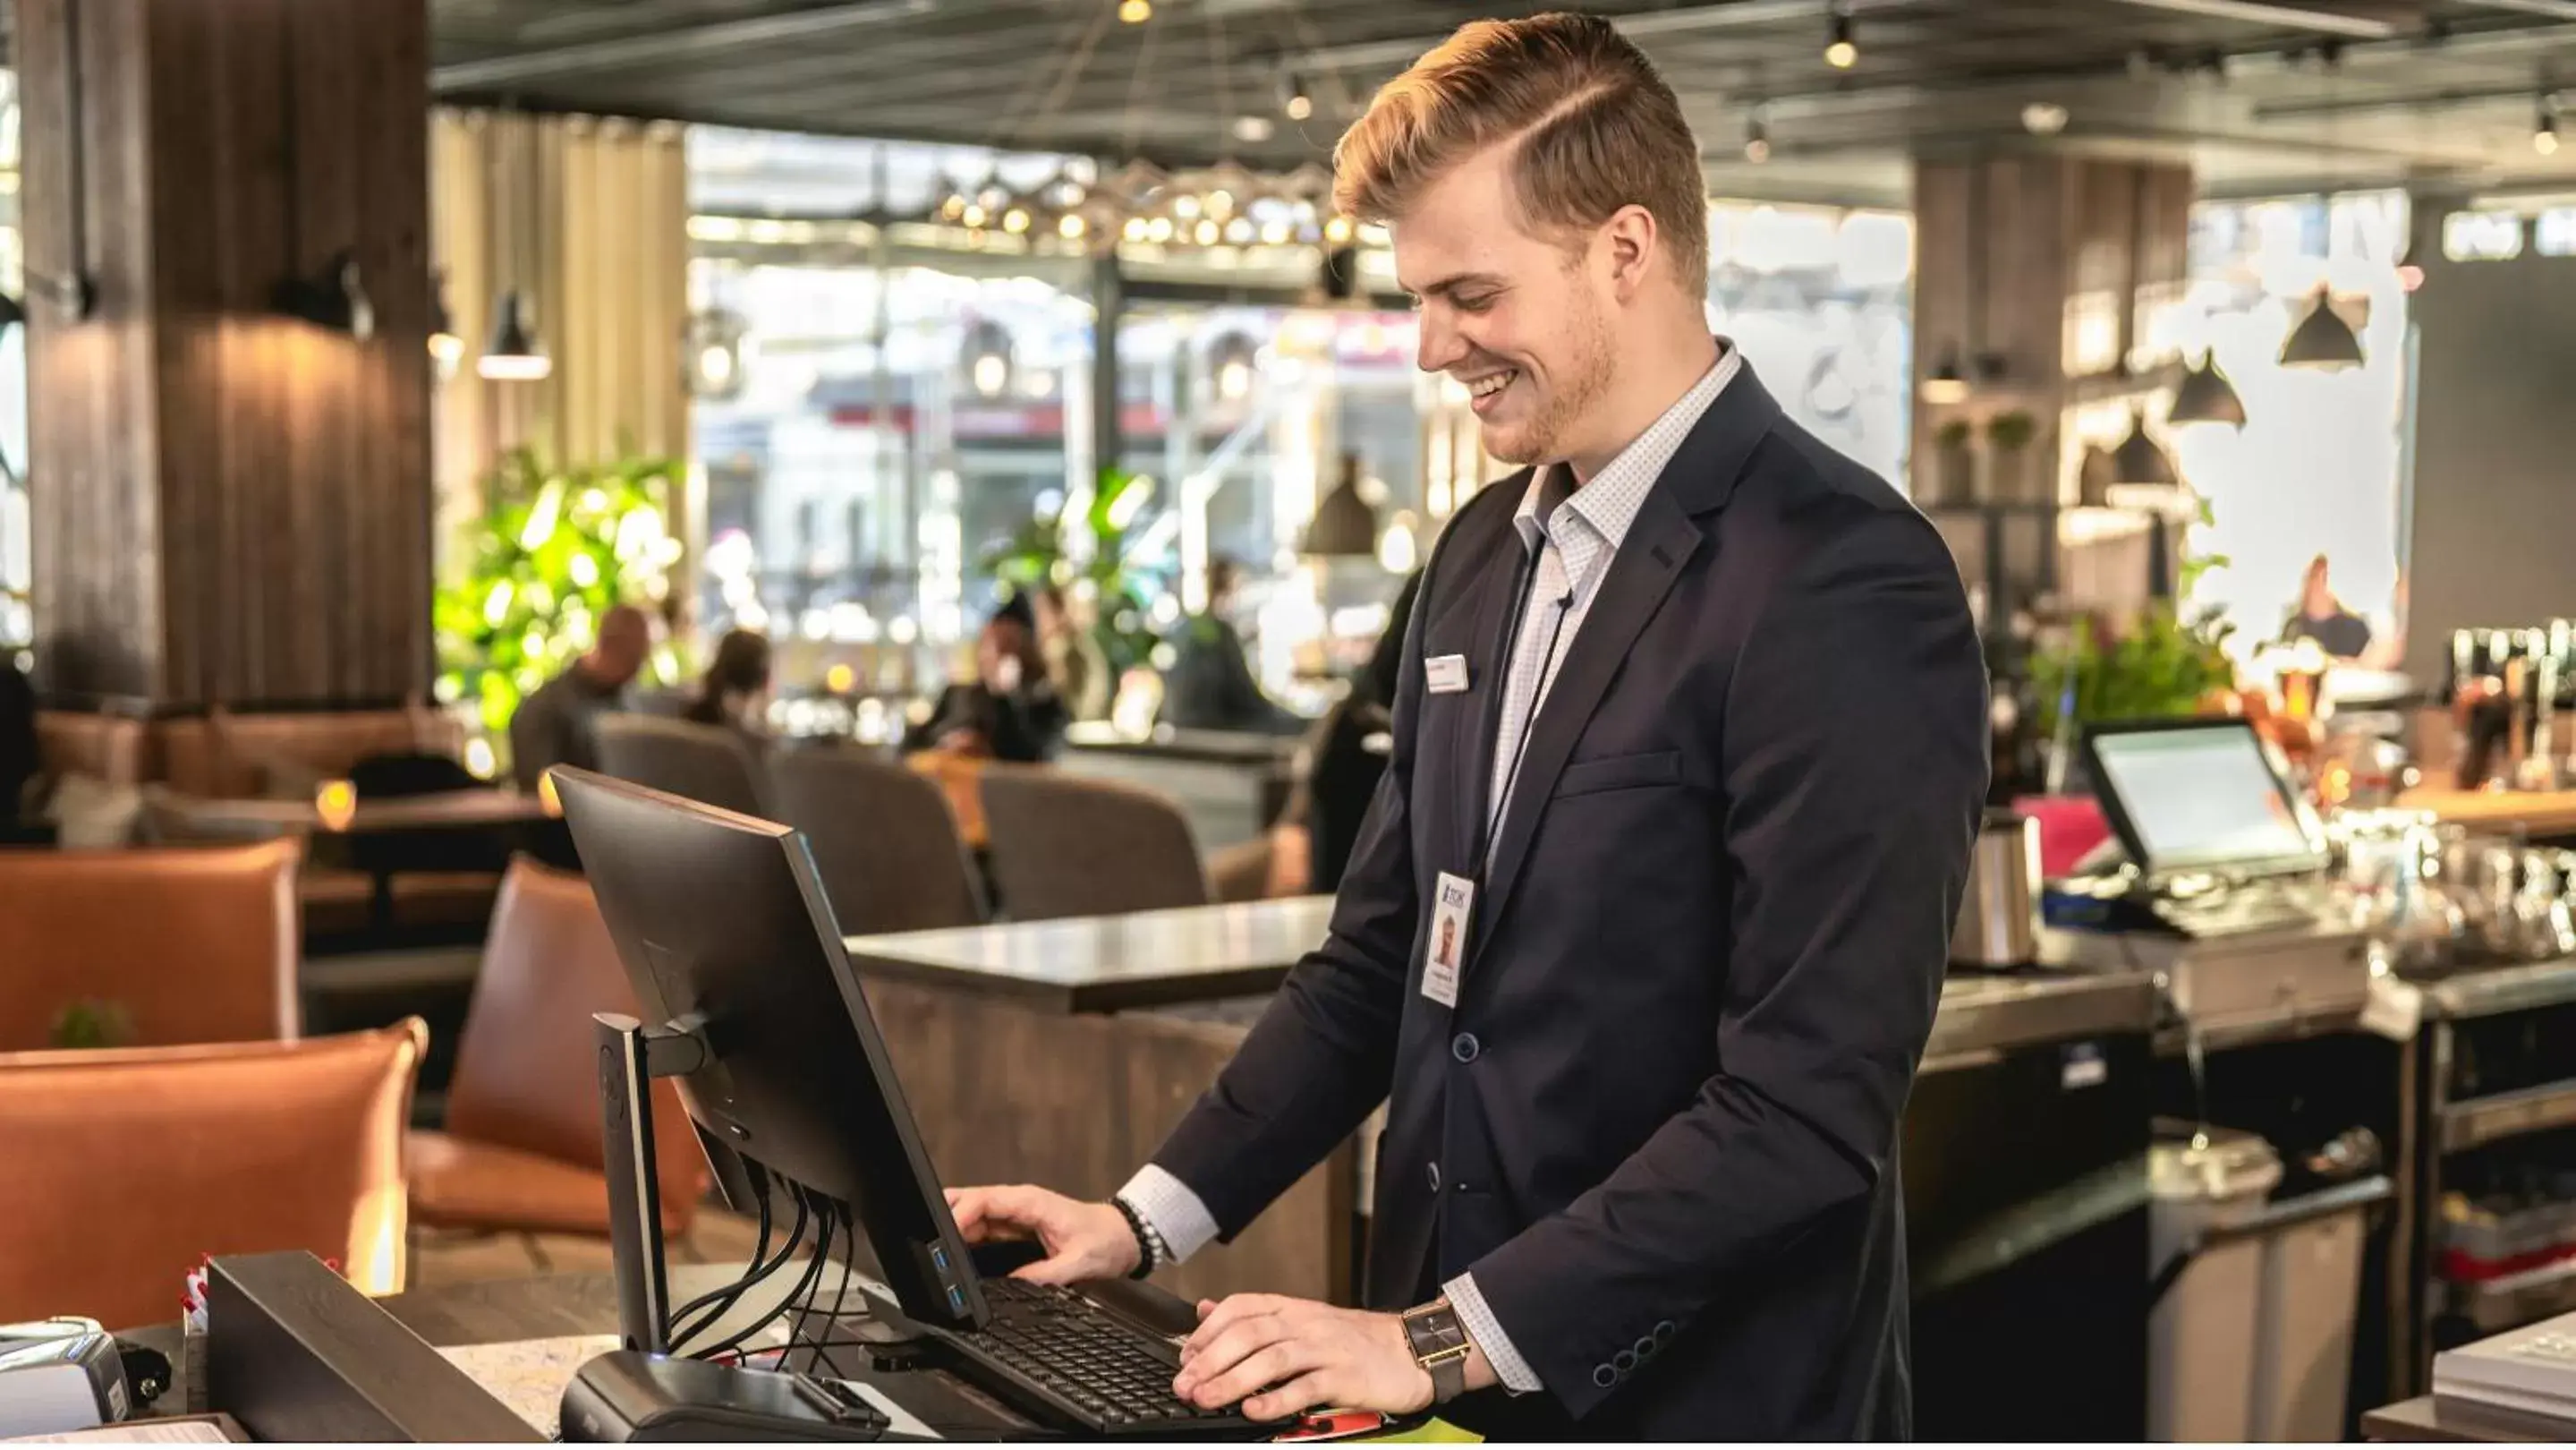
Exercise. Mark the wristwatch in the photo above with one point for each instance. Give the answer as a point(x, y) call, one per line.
point(1439, 1344)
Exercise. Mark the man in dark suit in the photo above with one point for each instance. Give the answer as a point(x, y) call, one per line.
point(1689, 746)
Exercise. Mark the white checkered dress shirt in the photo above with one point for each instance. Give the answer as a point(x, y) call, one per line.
point(1577, 532)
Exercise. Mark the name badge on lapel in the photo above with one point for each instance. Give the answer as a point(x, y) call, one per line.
point(1446, 674)
point(1449, 920)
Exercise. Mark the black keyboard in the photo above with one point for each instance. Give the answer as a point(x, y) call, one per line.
point(1051, 1346)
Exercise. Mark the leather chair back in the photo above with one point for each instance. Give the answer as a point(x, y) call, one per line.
point(705, 763)
point(527, 1074)
point(109, 748)
point(1064, 845)
point(882, 836)
point(228, 755)
point(191, 945)
point(125, 1165)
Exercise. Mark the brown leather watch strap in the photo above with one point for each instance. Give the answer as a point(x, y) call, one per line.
point(1440, 1346)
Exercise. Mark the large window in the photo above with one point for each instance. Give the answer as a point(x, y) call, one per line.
point(891, 411)
point(1245, 416)
point(2318, 466)
point(1821, 302)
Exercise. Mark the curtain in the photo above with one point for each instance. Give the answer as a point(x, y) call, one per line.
point(587, 219)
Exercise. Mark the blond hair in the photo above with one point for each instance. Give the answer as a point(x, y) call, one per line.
point(1594, 127)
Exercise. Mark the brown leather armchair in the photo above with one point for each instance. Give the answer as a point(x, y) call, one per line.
point(188, 945)
point(228, 755)
point(109, 748)
point(126, 1164)
point(521, 1151)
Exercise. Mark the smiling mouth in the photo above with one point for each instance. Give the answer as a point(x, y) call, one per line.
point(1492, 383)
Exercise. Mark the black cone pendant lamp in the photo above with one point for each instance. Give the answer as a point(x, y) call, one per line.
point(2206, 396)
point(2139, 462)
point(2322, 339)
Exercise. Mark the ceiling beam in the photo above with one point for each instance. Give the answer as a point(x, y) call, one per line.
point(685, 43)
point(2546, 9)
point(1692, 20)
point(2451, 98)
point(2325, 22)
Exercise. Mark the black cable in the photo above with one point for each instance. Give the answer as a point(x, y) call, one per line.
point(821, 1348)
point(804, 1300)
point(841, 1295)
point(804, 1286)
point(760, 1269)
point(731, 1294)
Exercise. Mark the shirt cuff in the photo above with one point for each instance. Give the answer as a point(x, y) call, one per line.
point(1176, 1214)
point(1487, 1332)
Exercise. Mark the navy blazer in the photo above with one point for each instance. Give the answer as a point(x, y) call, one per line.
point(1660, 1125)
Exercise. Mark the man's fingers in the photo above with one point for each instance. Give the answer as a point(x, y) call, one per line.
point(987, 1215)
point(1302, 1393)
point(1276, 1364)
point(1215, 1321)
point(1062, 1269)
point(1240, 1341)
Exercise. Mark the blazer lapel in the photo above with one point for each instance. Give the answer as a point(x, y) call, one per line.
point(1472, 747)
point(1659, 543)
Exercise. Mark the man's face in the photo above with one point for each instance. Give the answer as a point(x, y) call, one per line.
point(1519, 319)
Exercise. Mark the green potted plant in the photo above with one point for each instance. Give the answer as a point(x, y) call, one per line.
point(2011, 434)
point(2171, 660)
point(1098, 573)
point(1954, 471)
point(554, 548)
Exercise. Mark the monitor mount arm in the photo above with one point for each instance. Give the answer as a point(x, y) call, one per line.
point(631, 1055)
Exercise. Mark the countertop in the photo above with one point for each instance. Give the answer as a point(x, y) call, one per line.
point(2486, 991)
point(1112, 963)
point(1217, 963)
point(1202, 747)
point(1997, 1012)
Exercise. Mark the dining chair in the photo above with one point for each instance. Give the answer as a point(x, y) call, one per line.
point(883, 837)
point(705, 763)
point(1068, 845)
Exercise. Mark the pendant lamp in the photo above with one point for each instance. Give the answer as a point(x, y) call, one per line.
point(2206, 396)
point(2322, 339)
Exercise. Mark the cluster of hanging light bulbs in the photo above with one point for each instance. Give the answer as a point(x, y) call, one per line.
point(1225, 206)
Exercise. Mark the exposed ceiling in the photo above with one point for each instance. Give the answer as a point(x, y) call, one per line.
point(2261, 97)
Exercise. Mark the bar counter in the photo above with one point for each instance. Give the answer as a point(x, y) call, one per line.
point(1062, 1052)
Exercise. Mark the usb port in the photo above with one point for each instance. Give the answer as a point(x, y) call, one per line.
point(956, 1298)
point(939, 1258)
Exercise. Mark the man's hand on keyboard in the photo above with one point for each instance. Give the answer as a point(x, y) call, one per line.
point(1081, 1240)
point(1279, 1356)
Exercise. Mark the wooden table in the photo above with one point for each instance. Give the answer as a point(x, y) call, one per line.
point(452, 810)
point(1110, 963)
point(2425, 1420)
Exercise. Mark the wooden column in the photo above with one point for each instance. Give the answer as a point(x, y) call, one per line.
point(230, 505)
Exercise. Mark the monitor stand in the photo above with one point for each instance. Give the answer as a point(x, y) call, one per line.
point(631, 1055)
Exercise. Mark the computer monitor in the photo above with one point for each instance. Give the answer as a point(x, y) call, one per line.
point(2200, 796)
point(721, 922)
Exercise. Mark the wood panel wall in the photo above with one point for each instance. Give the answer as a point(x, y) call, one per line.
point(231, 506)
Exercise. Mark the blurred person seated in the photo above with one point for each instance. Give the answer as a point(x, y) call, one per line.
point(1210, 685)
point(1074, 658)
point(555, 724)
point(1010, 711)
point(734, 692)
